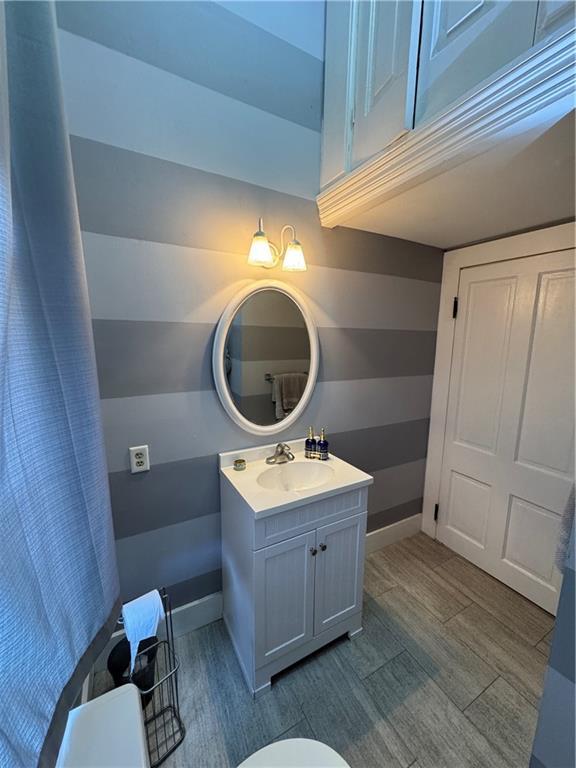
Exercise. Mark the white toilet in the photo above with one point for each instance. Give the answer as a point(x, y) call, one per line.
point(109, 731)
point(295, 753)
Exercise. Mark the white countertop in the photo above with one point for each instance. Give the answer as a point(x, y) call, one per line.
point(266, 502)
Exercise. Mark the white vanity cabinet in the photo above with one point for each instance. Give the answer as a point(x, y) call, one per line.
point(292, 575)
point(310, 583)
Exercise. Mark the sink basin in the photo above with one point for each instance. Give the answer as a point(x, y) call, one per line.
point(295, 476)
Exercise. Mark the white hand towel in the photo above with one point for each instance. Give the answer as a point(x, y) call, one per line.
point(141, 619)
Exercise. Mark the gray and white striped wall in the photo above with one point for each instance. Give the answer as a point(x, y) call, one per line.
point(188, 121)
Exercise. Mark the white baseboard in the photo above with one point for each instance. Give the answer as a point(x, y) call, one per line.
point(197, 614)
point(184, 619)
point(391, 533)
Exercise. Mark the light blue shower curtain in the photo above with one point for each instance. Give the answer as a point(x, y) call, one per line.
point(58, 578)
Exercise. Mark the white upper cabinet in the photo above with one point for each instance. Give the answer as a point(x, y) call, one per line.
point(384, 74)
point(415, 88)
point(369, 79)
point(463, 43)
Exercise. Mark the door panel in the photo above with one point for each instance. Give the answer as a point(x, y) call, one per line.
point(284, 576)
point(339, 571)
point(546, 437)
point(382, 51)
point(468, 508)
point(531, 536)
point(487, 333)
point(555, 17)
point(464, 43)
point(509, 447)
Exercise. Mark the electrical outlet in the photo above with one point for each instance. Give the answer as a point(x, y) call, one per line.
point(139, 459)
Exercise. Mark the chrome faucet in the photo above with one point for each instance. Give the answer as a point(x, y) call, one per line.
point(282, 454)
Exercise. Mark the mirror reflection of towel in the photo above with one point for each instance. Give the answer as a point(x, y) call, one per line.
point(287, 389)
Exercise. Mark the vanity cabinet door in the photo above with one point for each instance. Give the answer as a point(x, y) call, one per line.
point(284, 596)
point(339, 571)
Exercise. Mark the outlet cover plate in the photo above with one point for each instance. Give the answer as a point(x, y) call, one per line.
point(139, 459)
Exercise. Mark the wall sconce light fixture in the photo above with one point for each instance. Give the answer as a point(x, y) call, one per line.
point(263, 253)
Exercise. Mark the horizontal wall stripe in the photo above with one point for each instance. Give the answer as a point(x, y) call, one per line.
point(119, 193)
point(370, 252)
point(268, 342)
point(170, 493)
point(182, 491)
point(394, 515)
point(168, 555)
point(189, 424)
point(118, 100)
point(194, 589)
point(145, 358)
point(208, 45)
point(353, 353)
point(140, 280)
point(298, 23)
point(381, 447)
point(396, 485)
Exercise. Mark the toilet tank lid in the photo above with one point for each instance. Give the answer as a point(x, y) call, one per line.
point(106, 732)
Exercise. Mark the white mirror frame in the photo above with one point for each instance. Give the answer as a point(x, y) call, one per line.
point(220, 345)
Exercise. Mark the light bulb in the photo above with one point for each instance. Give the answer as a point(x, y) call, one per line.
point(260, 252)
point(294, 260)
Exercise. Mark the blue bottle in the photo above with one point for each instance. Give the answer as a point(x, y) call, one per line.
point(310, 445)
point(323, 446)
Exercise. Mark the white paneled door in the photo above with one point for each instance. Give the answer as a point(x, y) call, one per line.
point(508, 462)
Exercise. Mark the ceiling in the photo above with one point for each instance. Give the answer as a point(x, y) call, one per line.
point(524, 183)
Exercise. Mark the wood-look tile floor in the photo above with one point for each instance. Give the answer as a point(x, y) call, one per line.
point(447, 674)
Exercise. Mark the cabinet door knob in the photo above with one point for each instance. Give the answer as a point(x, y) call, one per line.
point(313, 551)
point(323, 547)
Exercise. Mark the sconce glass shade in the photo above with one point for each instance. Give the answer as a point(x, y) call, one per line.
point(294, 260)
point(260, 254)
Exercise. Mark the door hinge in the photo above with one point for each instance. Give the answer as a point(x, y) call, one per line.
point(455, 307)
point(436, 510)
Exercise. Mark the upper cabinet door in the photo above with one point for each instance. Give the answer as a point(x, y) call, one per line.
point(385, 73)
point(463, 43)
point(554, 18)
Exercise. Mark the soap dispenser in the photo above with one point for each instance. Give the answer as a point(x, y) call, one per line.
point(323, 445)
point(310, 444)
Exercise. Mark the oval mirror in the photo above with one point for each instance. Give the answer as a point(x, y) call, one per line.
point(265, 357)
